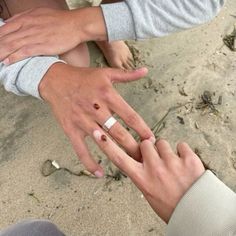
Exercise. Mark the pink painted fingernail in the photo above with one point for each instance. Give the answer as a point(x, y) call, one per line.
point(97, 135)
point(152, 139)
point(98, 174)
point(6, 62)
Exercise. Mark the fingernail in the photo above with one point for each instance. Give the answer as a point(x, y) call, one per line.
point(152, 139)
point(6, 62)
point(98, 174)
point(97, 135)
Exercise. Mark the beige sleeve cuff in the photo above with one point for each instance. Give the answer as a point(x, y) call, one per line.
point(208, 208)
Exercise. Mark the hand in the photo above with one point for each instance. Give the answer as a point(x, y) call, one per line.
point(82, 99)
point(163, 177)
point(45, 31)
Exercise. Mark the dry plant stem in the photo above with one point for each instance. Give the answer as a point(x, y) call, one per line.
point(159, 125)
point(229, 40)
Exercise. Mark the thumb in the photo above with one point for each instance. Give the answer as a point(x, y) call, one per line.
point(127, 76)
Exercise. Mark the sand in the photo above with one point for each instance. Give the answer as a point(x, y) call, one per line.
point(181, 67)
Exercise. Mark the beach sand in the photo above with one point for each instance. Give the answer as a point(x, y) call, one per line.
point(181, 67)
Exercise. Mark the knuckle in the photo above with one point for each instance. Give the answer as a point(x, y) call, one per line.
point(121, 136)
point(132, 118)
point(160, 172)
point(23, 52)
point(191, 160)
point(11, 46)
point(106, 93)
point(118, 159)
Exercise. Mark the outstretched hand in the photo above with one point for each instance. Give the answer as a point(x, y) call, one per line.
point(163, 176)
point(82, 99)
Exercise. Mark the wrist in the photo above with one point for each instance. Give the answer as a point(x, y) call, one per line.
point(46, 84)
point(90, 24)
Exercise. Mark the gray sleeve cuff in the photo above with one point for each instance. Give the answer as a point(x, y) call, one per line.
point(208, 208)
point(32, 73)
point(23, 77)
point(119, 21)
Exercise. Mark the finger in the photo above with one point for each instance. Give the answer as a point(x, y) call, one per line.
point(117, 155)
point(164, 149)
point(184, 150)
point(9, 28)
point(126, 140)
point(119, 106)
point(119, 133)
point(126, 76)
point(14, 42)
point(81, 149)
point(149, 153)
point(25, 52)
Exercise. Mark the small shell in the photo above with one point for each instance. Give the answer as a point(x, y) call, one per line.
point(55, 164)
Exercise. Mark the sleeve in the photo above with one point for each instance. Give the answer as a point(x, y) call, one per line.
point(139, 19)
point(208, 208)
point(23, 77)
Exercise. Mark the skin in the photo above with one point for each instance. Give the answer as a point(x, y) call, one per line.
point(24, 35)
point(30, 40)
point(57, 32)
point(117, 54)
point(78, 56)
point(73, 95)
point(72, 90)
point(163, 176)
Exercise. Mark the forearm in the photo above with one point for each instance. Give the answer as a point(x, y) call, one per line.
point(154, 18)
point(23, 77)
point(208, 208)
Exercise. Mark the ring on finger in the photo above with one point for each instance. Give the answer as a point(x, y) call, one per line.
point(110, 122)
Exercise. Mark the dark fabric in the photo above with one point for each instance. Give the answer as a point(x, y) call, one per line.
point(4, 13)
point(32, 228)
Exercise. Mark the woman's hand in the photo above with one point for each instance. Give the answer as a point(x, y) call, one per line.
point(82, 99)
point(163, 176)
point(45, 31)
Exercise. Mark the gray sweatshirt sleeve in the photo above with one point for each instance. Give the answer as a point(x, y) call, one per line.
point(23, 78)
point(142, 19)
point(208, 208)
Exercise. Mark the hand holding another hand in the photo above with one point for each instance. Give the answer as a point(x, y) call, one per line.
point(163, 176)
